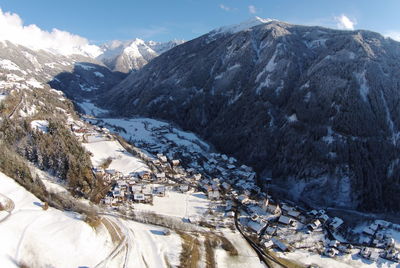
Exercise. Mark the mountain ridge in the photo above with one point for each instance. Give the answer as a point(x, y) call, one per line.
point(275, 93)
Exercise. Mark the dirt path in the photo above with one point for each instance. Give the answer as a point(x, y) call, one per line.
point(119, 234)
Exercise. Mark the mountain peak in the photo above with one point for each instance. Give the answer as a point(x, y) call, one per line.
point(235, 28)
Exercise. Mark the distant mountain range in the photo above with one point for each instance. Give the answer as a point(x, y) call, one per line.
point(132, 55)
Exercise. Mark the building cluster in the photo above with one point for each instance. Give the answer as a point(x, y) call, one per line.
point(379, 242)
point(267, 219)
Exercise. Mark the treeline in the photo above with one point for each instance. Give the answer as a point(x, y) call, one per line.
point(57, 151)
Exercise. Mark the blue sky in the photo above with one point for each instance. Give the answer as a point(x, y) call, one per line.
point(162, 20)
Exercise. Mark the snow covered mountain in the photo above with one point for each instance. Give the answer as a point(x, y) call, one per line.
point(313, 108)
point(132, 55)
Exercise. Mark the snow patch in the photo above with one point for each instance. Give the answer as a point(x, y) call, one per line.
point(9, 65)
point(40, 125)
point(34, 83)
point(98, 74)
point(362, 81)
point(240, 27)
point(292, 118)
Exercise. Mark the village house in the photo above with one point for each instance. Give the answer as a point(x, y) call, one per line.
point(160, 177)
point(293, 213)
point(138, 197)
point(213, 194)
point(159, 190)
point(279, 244)
point(175, 163)
point(226, 186)
point(285, 220)
point(336, 223)
point(271, 230)
point(183, 188)
point(315, 224)
point(273, 209)
point(162, 158)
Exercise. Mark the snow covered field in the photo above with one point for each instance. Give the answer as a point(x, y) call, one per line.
point(42, 238)
point(182, 205)
point(54, 238)
point(156, 132)
point(103, 148)
point(347, 261)
point(91, 109)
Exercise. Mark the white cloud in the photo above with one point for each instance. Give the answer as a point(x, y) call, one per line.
point(395, 35)
point(252, 9)
point(56, 41)
point(345, 23)
point(225, 8)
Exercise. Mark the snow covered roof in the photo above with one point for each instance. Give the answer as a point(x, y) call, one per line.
point(285, 220)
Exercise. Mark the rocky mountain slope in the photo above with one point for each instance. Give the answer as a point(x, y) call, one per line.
point(132, 55)
point(316, 109)
point(35, 119)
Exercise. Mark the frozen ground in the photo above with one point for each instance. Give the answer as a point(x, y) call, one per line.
point(155, 132)
point(91, 109)
point(182, 205)
point(347, 261)
point(42, 238)
point(54, 238)
point(122, 161)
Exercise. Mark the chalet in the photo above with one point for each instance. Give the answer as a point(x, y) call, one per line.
point(213, 194)
point(160, 176)
point(184, 188)
point(145, 175)
point(147, 189)
point(273, 209)
point(111, 172)
point(293, 213)
point(136, 188)
point(226, 186)
point(256, 226)
point(345, 248)
point(285, 220)
point(162, 158)
point(367, 230)
point(138, 197)
point(268, 244)
point(231, 167)
point(331, 252)
point(175, 162)
point(324, 218)
point(333, 243)
point(212, 161)
point(336, 223)
point(246, 168)
point(313, 212)
point(373, 256)
point(390, 254)
point(280, 244)
point(271, 230)
point(243, 198)
point(230, 214)
point(315, 224)
point(389, 243)
point(159, 190)
point(98, 171)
